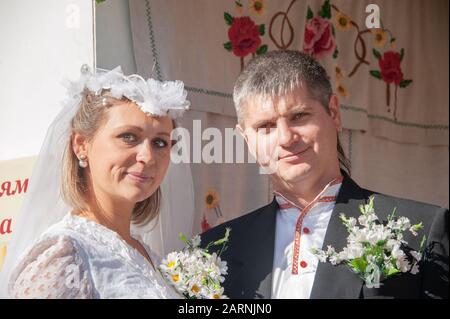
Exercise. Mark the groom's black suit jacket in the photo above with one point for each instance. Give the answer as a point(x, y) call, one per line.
point(251, 248)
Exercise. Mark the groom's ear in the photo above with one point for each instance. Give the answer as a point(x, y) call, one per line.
point(242, 132)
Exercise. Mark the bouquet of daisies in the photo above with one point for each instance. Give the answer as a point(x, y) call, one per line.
point(194, 272)
point(374, 251)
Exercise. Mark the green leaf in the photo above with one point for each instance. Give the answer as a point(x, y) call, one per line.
point(262, 29)
point(405, 83)
point(392, 215)
point(183, 238)
point(371, 199)
point(392, 40)
point(376, 54)
point(228, 18)
point(309, 14)
point(422, 242)
point(335, 54)
point(205, 251)
point(99, 1)
point(228, 46)
point(358, 264)
point(381, 243)
point(402, 54)
point(262, 49)
point(361, 209)
point(224, 239)
point(325, 11)
point(392, 271)
point(376, 74)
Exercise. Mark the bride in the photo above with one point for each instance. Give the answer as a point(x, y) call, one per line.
point(81, 231)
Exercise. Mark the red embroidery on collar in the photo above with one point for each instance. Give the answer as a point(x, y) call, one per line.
point(298, 226)
point(326, 199)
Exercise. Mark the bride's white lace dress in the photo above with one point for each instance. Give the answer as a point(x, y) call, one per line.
point(79, 258)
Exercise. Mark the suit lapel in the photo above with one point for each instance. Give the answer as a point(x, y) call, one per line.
point(254, 276)
point(339, 281)
point(268, 239)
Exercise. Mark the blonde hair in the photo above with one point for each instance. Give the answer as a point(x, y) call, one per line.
point(90, 116)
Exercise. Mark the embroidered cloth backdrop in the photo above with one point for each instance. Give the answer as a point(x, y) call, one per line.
point(392, 81)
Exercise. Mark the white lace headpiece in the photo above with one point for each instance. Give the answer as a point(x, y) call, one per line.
point(155, 98)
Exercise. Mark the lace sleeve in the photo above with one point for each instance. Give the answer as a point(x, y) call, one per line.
point(53, 268)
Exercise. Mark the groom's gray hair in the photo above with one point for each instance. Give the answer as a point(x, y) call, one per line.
point(277, 73)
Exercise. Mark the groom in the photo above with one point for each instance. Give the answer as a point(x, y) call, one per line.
point(290, 120)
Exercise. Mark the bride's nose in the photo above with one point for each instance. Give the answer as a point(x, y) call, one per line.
point(145, 153)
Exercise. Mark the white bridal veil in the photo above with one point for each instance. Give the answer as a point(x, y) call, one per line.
point(43, 206)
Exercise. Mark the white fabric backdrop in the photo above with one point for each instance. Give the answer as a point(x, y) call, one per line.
point(408, 157)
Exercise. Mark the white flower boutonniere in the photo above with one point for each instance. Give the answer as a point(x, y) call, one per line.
point(194, 272)
point(374, 251)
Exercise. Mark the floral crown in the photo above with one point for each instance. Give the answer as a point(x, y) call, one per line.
point(155, 98)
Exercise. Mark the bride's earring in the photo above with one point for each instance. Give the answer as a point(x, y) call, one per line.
point(82, 161)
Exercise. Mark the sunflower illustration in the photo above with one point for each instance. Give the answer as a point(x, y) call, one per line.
point(258, 7)
point(211, 199)
point(379, 37)
point(342, 21)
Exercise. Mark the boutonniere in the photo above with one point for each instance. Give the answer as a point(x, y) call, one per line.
point(375, 251)
point(194, 272)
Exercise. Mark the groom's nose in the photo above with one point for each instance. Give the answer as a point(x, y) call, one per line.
point(286, 135)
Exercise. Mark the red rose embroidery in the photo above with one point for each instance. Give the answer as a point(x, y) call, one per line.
point(244, 36)
point(319, 40)
point(390, 67)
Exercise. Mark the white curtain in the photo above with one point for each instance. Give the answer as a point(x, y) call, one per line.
point(406, 156)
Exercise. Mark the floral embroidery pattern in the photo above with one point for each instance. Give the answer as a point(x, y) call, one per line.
point(211, 205)
point(320, 42)
point(390, 72)
point(319, 38)
point(257, 7)
point(388, 62)
point(244, 35)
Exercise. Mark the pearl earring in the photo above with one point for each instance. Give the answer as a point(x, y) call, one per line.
point(82, 161)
